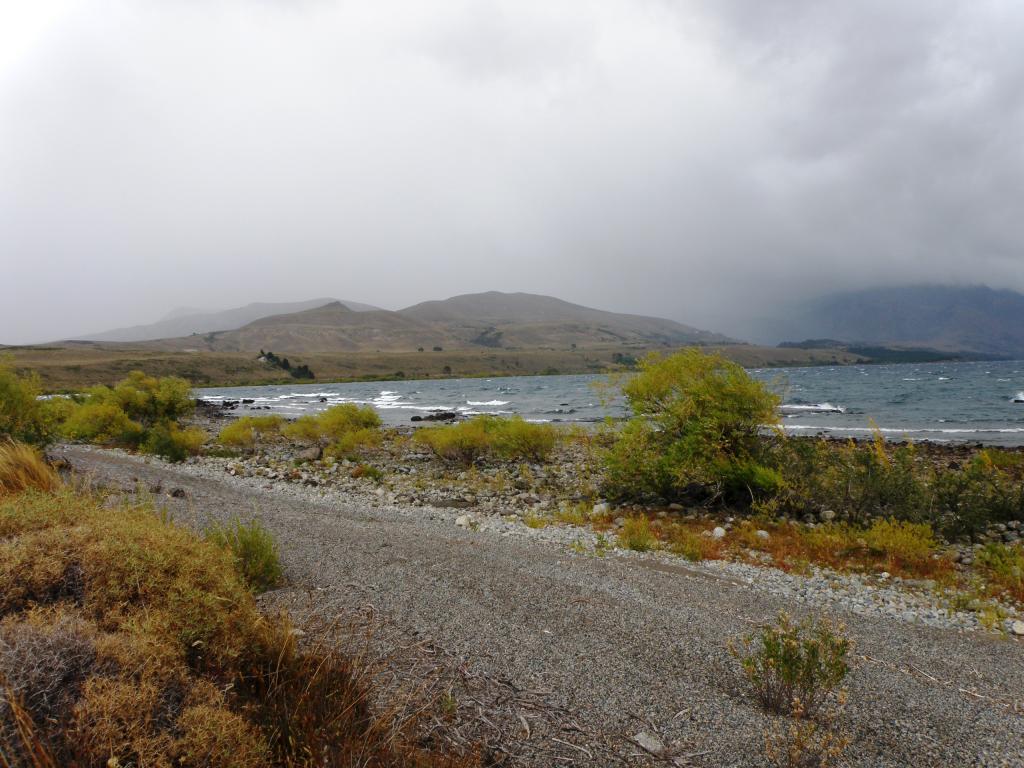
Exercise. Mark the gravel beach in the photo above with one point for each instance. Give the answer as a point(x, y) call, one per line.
point(619, 659)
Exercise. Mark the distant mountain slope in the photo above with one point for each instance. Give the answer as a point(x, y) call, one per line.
point(525, 319)
point(183, 322)
point(949, 318)
point(493, 319)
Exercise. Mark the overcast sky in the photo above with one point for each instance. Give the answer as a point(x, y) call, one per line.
point(704, 161)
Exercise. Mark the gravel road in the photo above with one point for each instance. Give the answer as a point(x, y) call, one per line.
point(589, 652)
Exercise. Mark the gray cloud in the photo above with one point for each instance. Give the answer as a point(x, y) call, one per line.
point(702, 161)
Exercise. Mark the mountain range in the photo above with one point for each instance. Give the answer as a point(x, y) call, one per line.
point(483, 320)
point(187, 320)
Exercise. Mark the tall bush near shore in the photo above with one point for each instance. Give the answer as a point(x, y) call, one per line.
point(139, 411)
point(23, 416)
point(696, 428)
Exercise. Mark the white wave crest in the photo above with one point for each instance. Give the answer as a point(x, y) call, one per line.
point(811, 408)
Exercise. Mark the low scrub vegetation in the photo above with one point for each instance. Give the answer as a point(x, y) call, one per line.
point(1003, 568)
point(126, 640)
point(247, 431)
point(349, 429)
point(254, 551)
point(636, 534)
point(490, 437)
point(795, 668)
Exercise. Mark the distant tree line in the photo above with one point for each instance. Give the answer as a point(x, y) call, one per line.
point(297, 372)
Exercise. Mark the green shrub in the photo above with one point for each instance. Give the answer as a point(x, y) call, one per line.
point(1004, 566)
point(795, 667)
point(461, 443)
point(693, 546)
point(22, 415)
point(244, 432)
point(483, 436)
point(368, 471)
point(697, 422)
point(352, 443)
point(305, 428)
point(104, 424)
point(347, 417)
point(968, 501)
point(254, 550)
point(908, 543)
point(173, 443)
point(516, 438)
point(636, 534)
point(147, 399)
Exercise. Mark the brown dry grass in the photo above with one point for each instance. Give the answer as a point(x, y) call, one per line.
point(23, 467)
point(901, 549)
point(124, 638)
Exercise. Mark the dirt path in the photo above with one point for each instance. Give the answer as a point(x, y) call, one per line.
point(582, 653)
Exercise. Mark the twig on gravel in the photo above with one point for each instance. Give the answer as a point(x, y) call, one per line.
point(574, 746)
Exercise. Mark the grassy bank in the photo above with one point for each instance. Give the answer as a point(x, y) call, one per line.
point(74, 365)
point(127, 640)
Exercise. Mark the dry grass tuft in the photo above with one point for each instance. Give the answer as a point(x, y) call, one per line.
point(23, 467)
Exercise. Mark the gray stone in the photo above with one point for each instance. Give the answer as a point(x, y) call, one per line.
point(718, 532)
point(827, 516)
point(649, 742)
point(764, 535)
point(464, 521)
point(1017, 628)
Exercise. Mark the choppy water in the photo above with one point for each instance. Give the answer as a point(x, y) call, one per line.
point(937, 401)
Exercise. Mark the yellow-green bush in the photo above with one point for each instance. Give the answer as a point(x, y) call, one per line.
point(254, 550)
point(1004, 566)
point(244, 432)
point(350, 428)
point(461, 443)
point(23, 416)
point(339, 420)
point(352, 443)
point(305, 428)
point(484, 436)
point(147, 399)
point(907, 543)
point(516, 438)
point(636, 534)
point(173, 443)
point(104, 424)
point(795, 666)
point(696, 425)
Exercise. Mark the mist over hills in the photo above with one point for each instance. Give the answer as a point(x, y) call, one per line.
point(185, 321)
point(493, 319)
point(974, 319)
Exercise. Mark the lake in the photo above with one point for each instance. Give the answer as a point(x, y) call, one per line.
point(936, 401)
